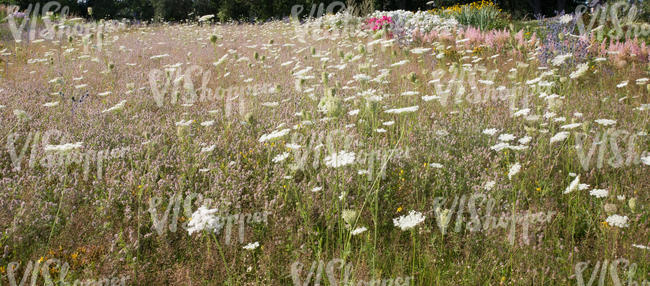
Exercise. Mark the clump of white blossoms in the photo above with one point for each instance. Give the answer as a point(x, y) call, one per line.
point(560, 136)
point(605, 122)
point(490, 131)
point(409, 221)
point(617, 220)
point(359, 230)
point(251, 246)
point(342, 158)
point(573, 186)
point(599, 193)
point(274, 135)
point(204, 219)
point(646, 160)
point(514, 170)
point(402, 110)
point(116, 107)
point(281, 157)
point(582, 68)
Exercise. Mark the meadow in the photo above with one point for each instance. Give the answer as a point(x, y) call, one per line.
point(388, 149)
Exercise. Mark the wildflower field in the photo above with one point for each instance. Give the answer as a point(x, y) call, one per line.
point(397, 148)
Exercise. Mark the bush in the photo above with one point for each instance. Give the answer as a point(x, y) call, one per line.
point(484, 15)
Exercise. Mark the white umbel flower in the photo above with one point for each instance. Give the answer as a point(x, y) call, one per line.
point(618, 221)
point(560, 136)
point(403, 110)
point(599, 193)
point(342, 158)
point(582, 68)
point(204, 219)
point(281, 157)
point(251, 246)
point(573, 186)
point(514, 170)
point(358, 230)
point(646, 160)
point(409, 221)
point(490, 131)
point(274, 135)
point(116, 107)
point(605, 122)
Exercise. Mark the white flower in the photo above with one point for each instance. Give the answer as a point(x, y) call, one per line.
point(316, 189)
point(514, 170)
point(617, 220)
point(525, 140)
point(522, 112)
point(640, 246)
point(573, 186)
point(560, 136)
point(51, 104)
point(559, 60)
point(409, 93)
point(599, 193)
point(565, 19)
point(506, 137)
point(605, 122)
point(116, 107)
point(204, 219)
point(207, 123)
point(436, 165)
point(409, 221)
point(159, 56)
point(206, 18)
point(400, 63)
point(281, 157)
point(403, 110)
point(293, 146)
point(358, 230)
point(646, 160)
point(622, 84)
point(184, 123)
point(64, 147)
point(582, 68)
point(582, 187)
point(419, 51)
point(251, 246)
point(571, 126)
point(490, 185)
point(274, 135)
point(388, 123)
point(208, 149)
point(342, 158)
point(500, 146)
point(380, 130)
point(490, 131)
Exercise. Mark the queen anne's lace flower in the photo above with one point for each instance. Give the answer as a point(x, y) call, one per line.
point(618, 221)
point(409, 221)
point(342, 158)
point(204, 219)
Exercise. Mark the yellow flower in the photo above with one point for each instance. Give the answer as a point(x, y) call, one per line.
point(2, 269)
point(74, 255)
point(40, 260)
point(538, 189)
point(605, 224)
point(399, 209)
